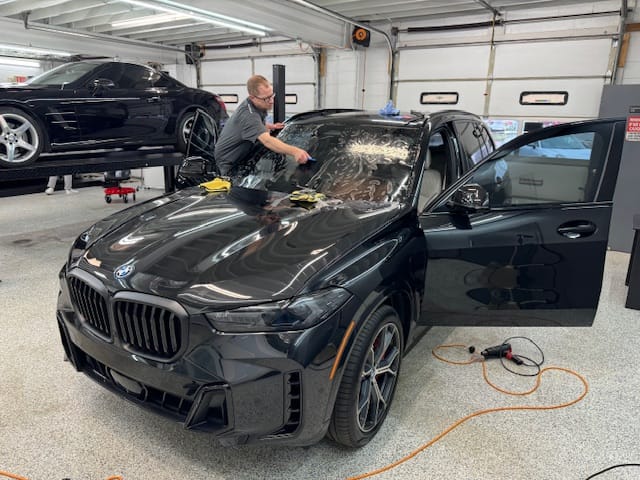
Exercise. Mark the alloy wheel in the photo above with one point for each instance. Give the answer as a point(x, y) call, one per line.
point(186, 128)
point(19, 138)
point(378, 376)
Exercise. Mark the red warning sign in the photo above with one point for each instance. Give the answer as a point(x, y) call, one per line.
point(633, 129)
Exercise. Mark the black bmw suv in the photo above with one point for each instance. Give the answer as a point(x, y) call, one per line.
point(279, 309)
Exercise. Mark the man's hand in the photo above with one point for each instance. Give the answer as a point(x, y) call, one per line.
point(274, 126)
point(300, 155)
point(278, 146)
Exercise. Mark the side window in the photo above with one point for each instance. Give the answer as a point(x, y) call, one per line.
point(475, 139)
point(560, 169)
point(137, 77)
point(159, 80)
point(112, 72)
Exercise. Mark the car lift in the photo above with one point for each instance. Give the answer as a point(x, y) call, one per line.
point(94, 162)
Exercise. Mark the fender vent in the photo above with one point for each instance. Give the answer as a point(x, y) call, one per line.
point(293, 398)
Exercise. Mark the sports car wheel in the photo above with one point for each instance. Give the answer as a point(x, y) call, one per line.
point(369, 380)
point(184, 130)
point(20, 138)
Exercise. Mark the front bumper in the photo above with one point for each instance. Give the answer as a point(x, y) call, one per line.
point(240, 387)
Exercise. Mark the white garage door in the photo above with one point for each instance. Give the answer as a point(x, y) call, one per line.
point(228, 78)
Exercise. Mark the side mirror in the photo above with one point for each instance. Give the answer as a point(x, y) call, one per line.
point(101, 84)
point(469, 198)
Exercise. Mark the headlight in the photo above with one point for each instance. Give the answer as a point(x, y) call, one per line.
point(79, 246)
point(295, 314)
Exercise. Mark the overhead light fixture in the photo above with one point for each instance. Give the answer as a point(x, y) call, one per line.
point(33, 50)
point(149, 20)
point(207, 16)
point(18, 62)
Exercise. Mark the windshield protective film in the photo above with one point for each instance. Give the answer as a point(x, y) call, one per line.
point(350, 162)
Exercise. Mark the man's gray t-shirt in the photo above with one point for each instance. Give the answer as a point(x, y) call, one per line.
point(239, 135)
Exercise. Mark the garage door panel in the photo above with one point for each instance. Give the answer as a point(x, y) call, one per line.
point(470, 95)
point(505, 98)
point(570, 58)
point(225, 72)
point(305, 97)
point(298, 69)
point(228, 91)
point(451, 62)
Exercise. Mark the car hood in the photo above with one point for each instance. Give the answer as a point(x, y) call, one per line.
point(212, 250)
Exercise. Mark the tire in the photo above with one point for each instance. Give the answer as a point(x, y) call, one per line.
point(125, 199)
point(107, 198)
point(21, 138)
point(356, 419)
point(183, 130)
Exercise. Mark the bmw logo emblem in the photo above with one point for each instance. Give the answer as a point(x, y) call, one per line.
point(123, 271)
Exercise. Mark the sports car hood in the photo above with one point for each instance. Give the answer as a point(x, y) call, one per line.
point(209, 250)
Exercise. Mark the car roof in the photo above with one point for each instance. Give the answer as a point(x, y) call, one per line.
point(95, 61)
point(359, 117)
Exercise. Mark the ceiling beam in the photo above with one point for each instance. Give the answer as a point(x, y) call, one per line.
point(63, 8)
point(89, 15)
point(15, 8)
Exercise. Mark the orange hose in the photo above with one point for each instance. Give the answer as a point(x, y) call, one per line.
point(482, 412)
point(11, 475)
point(18, 477)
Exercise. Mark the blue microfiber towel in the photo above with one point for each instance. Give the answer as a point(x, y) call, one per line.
point(389, 109)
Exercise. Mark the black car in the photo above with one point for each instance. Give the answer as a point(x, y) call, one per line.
point(97, 104)
point(280, 310)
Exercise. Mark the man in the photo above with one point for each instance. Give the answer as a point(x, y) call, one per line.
point(51, 185)
point(247, 126)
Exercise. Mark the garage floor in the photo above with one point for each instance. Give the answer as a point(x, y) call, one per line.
point(56, 423)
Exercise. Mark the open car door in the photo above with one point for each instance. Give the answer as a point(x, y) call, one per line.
point(521, 239)
point(198, 164)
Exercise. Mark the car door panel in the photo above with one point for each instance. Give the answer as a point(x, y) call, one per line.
point(525, 260)
point(514, 268)
point(130, 110)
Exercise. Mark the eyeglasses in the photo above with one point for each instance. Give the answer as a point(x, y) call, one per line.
point(270, 98)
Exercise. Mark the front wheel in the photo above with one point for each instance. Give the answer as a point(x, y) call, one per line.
point(184, 130)
point(21, 138)
point(369, 381)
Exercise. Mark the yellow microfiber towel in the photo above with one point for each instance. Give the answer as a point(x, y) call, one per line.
point(306, 195)
point(216, 185)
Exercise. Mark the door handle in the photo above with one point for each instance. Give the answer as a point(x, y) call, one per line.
point(153, 99)
point(577, 229)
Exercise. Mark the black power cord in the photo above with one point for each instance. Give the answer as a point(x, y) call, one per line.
point(620, 465)
point(524, 361)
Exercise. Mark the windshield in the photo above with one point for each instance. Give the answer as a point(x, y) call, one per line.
point(352, 162)
point(67, 73)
